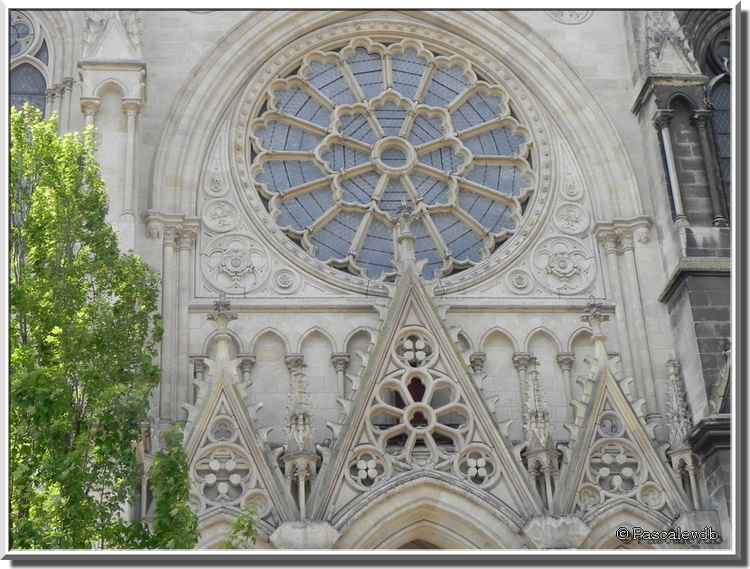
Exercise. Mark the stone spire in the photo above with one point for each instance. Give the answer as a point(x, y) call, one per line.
point(679, 420)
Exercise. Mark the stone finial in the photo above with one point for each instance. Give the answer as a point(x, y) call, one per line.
point(679, 419)
point(222, 313)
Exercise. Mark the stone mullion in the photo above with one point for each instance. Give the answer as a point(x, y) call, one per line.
point(645, 379)
point(609, 241)
point(701, 119)
point(67, 101)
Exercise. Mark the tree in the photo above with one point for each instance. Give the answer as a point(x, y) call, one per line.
point(244, 531)
point(175, 524)
point(83, 333)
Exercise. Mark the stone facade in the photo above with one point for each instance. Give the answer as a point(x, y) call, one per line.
point(429, 279)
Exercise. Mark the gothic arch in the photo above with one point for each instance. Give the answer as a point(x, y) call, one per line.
point(544, 331)
point(322, 332)
point(498, 330)
point(269, 330)
point(200, 106)
point(429, 510)
point(628, 514)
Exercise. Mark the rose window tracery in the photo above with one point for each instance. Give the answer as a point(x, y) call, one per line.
point(616, 467)
point(476, 464)
point(353, 135)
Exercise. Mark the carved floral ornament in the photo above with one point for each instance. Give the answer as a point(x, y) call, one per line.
point(418, 419)
point(344, 135)
point(235, 264)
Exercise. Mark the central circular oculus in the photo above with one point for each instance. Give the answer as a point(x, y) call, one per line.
point(393, 155)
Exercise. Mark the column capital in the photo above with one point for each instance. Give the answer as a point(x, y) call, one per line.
point(521, 360)
point(662, 118)
point(131, 106)
point(295, 362)
point(340, 361)
point(247, 363)
point(90, 105)
point(566, 360)
point(700, 118)
point(477, 361)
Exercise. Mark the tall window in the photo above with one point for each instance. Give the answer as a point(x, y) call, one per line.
point(718, 94)
point(27, 76)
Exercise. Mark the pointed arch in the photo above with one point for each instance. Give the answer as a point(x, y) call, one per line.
point(541, 330)
point(431, 510)
point(501, 330)
point(322, 332)
point(269, 330)
point(628, 514)
point(211, 338)
point(110, 82)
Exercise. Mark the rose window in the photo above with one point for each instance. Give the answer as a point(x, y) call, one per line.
point(419, 419)
point(367, 467)
point(356, 135)
point(20, 34)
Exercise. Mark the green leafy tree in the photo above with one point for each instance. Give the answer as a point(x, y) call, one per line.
point(244, 531)
point(83, 331)
point(175, 524)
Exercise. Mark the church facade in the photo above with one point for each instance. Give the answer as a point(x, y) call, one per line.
point(429, 279)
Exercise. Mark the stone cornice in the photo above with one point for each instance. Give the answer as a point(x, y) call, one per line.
point(645, 88)
point(721, 266)
point(711, 434)
point(157, 222)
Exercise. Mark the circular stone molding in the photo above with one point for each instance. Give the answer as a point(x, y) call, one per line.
point(570, 17)
point(563, 265)
point(571, 219)
point(286, 281)
point(235, 264)
point(359, 41)
point(220, 216)
point(520, 281)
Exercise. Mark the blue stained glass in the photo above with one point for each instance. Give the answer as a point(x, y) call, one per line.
point(475, 110)
point(367, 69)
point(376, 254)
point(497, 142)
point(504, 179)
point(327, 78)
point(282, 175)
point(298, 103)
point(407, 69)
point(300, 212)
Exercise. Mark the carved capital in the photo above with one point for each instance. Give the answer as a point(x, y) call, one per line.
point(247, 363)
point(625, 235)
point(199, 365)
point(566, 360)
point(131, 107)
point(701, 119)
point(295, 363)
point(662, 118)
point(187, 237)
point(477, 361)
point(610, 240)
point(340, 361)
point(521, 360)
point(90, 106)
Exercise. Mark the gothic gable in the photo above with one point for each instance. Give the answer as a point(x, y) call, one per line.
point(418, 413)
point(613, 462)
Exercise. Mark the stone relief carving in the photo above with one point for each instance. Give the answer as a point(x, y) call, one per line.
point(220, 216)
point(520, 281)
point(662, 29)
point(571, 219)
point(570, 17)
point(563, 265)
point(235, 264)
point(97, 22)
point(286, 281)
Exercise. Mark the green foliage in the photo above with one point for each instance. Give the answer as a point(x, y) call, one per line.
point(83, 331)
point(175, 524)
point(244, 533)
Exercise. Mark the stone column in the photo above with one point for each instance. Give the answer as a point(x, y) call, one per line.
point(169, 311)
point(50, 103)
point(340, 361)
point(645, 377)
point(610, 241)
point(521, 361)
point(662, 120)
point(131, 108)
point(66, 104)
point(185, 246)
point(89, 107)
point(566, 360)
point(701, 119)
point(477, 360)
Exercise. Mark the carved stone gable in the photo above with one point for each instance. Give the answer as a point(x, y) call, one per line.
point(418, 411)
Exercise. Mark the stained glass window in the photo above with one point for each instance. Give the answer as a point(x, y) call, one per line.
point(358, 134)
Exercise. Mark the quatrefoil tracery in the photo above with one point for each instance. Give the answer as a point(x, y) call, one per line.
point(354, 135)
